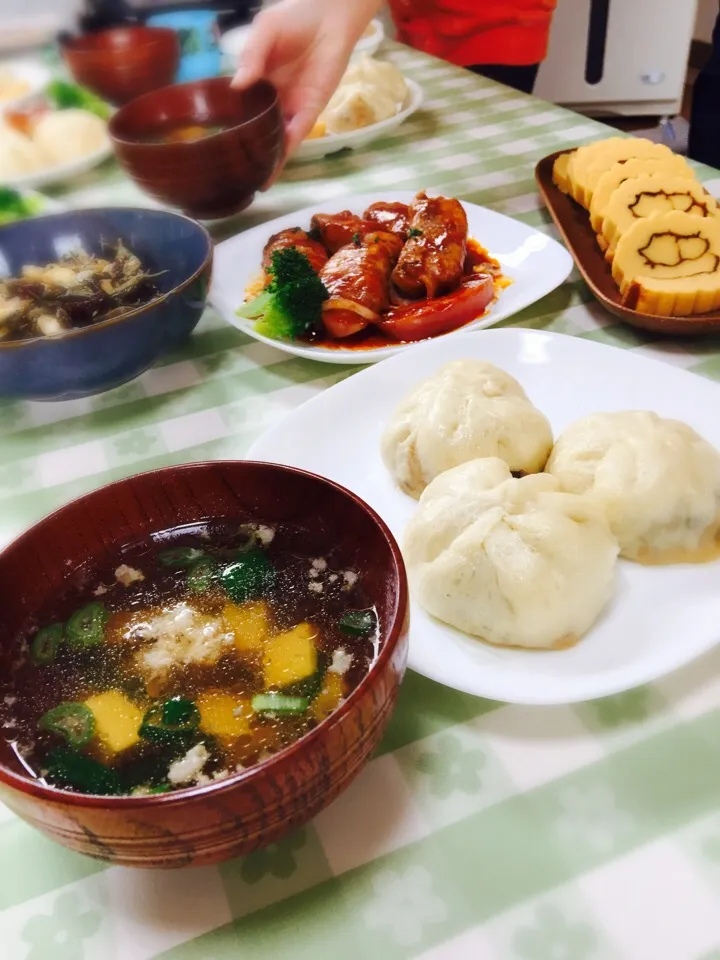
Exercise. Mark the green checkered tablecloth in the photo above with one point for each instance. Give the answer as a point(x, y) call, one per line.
point(481, 831)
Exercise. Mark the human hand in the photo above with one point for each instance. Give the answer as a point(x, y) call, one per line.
point(302, 47)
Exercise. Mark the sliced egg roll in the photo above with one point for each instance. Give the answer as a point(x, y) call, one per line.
point(649, 195)
point(673, 166)
point(560, 172)
point(585, 175)
point(669, 264)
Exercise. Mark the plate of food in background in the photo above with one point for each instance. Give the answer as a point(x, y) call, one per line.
point(372, 99)
point(21, 204)
point(21, 82)
point(365, 283)
point(544, 567)
point(53, 139)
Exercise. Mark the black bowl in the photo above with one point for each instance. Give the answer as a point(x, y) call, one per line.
point(92, 359)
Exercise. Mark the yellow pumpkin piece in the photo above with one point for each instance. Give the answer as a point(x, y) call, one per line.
point(329, 698)
point(290, 657)
point(117, 721)
point(319, 130)
point(224, 715)
point(249, 623)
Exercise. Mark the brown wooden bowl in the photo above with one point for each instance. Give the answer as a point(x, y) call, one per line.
point(573, 222)
point(122, 64)
point(227, 818)
point(209, 178)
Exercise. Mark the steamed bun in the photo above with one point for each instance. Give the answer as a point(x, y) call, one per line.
point(18, 154)
point(66, 135)
point(467, 409)
point(379, 74)
point(657, 480)
point(357, 105)
point(515, 562)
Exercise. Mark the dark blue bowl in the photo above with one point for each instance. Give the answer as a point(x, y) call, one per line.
point(96, 358)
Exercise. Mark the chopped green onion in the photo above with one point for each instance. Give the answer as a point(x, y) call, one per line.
point(46, 641)
point(356, 239)
point(358, 623)
point(180, 557)
point(279, 703)
point(248, 577)
point(414, 232)
point(202, 574)
point(86, 627)
point(73, 721)
point(167, 722)
point(160, 788)
point(69, 768)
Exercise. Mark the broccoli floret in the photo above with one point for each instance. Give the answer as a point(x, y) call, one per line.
point(63, 95)
point(291, 304)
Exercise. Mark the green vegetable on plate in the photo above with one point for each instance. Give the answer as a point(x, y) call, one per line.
point(63, 95)
point(291, 304)
point(73, 721)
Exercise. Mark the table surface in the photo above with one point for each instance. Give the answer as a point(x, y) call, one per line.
point(481, 831)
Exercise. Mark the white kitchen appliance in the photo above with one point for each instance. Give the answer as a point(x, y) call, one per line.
point(624, 57)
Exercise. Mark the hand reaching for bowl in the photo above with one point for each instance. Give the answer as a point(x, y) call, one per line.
point(302, 47)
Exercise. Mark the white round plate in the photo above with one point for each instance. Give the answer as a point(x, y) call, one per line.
point(535, 262)
point(324, 146)
point(660, 617)
point(34, 74)
point(369, 43)
point(63, 171)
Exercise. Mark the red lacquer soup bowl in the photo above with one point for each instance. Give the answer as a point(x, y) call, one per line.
point(230, 817)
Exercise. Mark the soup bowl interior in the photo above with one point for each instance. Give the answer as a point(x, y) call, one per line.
point(217, 174)
point(256, 806)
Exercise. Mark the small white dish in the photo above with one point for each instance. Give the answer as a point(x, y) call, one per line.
point(535, 262)
point(370, 41)
point(61, 172)
point(33, 75)
point(333, 142)
point(660, 618)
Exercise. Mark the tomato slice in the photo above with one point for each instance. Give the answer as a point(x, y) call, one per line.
point(429, 318)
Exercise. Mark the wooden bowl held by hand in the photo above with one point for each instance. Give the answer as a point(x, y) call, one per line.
point(124, 63)
point(225, 818)
point(211, 177)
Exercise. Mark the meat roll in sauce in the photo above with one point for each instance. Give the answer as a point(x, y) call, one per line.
point(394, 217)
point(335, 230)
point(294, 237)
point(357, 278)
point(432, 260)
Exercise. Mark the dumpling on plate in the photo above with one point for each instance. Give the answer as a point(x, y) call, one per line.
point(19, 155)
point(467, 409)
point(380, 74)
point(66, 135)
point(657, 480)
point(515, 562)
point(357, 105)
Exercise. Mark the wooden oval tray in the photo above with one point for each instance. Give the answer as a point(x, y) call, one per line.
point(573, 222)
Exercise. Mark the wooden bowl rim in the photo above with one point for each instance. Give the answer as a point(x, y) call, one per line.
point(68, 798)
point(156, 301)
point(139, 144)
point(86, 44)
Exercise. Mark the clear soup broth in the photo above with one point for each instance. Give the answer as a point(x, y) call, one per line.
point(191, 655)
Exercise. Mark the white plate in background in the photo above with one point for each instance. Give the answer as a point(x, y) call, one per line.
point(535, 262)
point(660, 618)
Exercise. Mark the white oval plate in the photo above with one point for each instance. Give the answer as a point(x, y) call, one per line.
point(324, 146)
point(369, 44)
point(34, 74)
point(535, 262)
point(661, 617)
point(61, 172)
